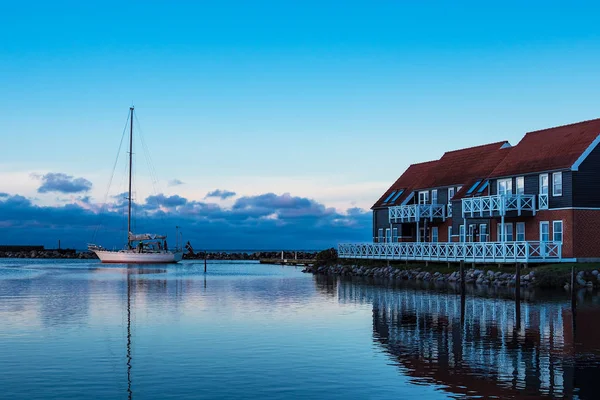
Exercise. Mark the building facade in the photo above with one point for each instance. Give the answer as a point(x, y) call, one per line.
point(537, 201)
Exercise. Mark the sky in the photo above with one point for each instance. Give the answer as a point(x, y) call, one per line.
point(299, 114)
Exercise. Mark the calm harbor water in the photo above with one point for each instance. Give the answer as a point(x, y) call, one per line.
point(79, 329)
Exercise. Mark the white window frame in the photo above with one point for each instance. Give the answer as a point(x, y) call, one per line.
point(425, 195)
point(554, 231)
point(542, 187)
point(379, 235)
point(462, 235)
point(434, 234)
point(520, 224)
point(506, 232)
point(450, 195)
point(450, 233)
point(505, 185)
point(520, 181)
point(388, 235)
point(394, 234)
point(483, 228)
point(471, 233)
point(547, 225)
point(555, 186)
point(434, 196)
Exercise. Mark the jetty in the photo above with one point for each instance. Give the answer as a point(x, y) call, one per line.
point(284, 260)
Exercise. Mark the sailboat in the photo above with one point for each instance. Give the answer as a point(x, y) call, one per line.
point(145, 248)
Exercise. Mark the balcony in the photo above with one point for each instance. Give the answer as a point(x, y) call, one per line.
point(478, 252)
point(497, 205)
point(416, 212)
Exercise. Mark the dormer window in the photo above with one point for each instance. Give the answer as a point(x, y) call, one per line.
point(396, 196)
point(483, 187)
point(474, 187)
point(389, 197)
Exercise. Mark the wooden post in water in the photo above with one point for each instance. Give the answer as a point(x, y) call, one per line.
point(518, 295)
point(463, 294)
point(205, 254)
point(462, 277)
point(573, 299)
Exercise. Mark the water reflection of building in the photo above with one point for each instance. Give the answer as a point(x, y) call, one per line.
point(484, 353)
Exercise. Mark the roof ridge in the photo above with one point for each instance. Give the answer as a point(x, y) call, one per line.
point(565, 125)
point(501, 143)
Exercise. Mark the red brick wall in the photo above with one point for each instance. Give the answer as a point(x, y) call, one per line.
point(532, 228)
point(585, 237)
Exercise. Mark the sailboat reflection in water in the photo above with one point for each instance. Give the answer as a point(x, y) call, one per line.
point(143, 248)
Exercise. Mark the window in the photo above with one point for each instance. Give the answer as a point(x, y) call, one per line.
point(395, 234)
point(396, 196)
point(557, 184)
point(388, 235)
point(450, 233)
point(474, 186)
point(450, 194)
point(458, 189)
point(423, 197)
point(471, 233)
point(544, 231)
point(520, 185)
point(389, 197)
point(434, 196)
point(483, 187)
point(505, 186)
point(483, 235)
point(557, 231)
point(462, 233)
point(508, 232)
point(520, 231)
point(544, 184)
point(434, 234)
point(380, 235)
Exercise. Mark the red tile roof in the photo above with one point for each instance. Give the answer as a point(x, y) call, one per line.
point(549, 149)
point(459, 167)
point(406, 181)
point(456, 167)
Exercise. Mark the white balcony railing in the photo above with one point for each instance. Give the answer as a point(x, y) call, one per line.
point(499, 203)
point(416, 212)
point(543, 201)
point(496, 252)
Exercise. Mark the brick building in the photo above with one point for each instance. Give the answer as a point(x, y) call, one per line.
point(534, 202)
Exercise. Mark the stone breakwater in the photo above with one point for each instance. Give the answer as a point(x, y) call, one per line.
point(472, 276)
point(70, 254)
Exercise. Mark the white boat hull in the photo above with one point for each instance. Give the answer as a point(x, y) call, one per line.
point(133, 257)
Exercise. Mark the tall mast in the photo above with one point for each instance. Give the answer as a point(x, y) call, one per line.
point(130, 167)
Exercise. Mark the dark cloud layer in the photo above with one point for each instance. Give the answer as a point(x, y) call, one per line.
point(266, 221)
point(63, 183)
point(222, 194)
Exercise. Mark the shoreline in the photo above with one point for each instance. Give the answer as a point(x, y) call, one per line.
point(545, 277)
point(70, 254)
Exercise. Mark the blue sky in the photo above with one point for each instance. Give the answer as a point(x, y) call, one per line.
point(326, 101)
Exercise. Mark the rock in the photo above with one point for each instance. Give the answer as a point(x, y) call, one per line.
point(595, 272)
point(590, 284)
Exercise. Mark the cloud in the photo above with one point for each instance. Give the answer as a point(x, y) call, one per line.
point(266, 221)
point(63, 183)
point(222, 194)
point(175, 182)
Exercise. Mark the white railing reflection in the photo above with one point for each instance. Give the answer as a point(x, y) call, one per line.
point(416, 212)
point(499, 203)
point(469, 251)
